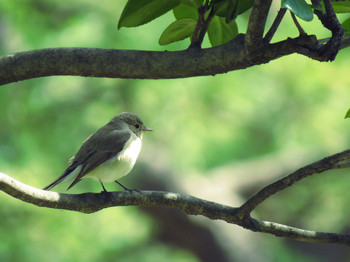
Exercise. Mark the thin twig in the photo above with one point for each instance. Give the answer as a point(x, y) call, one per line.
point(275, 25)
point(201, 20)
point(197, 28)
point(279, 230)
point(325, 164)
point(300, 29)
point(205, 27)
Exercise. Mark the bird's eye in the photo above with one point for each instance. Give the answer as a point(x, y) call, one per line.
point(137, 126)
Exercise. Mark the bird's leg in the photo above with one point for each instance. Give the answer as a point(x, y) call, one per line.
point(125, 188)
point(104, 189)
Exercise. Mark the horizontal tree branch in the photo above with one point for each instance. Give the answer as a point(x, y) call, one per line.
point(93, 202)
point(113, 63)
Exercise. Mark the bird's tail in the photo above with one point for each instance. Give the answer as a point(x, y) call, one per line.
point(67, 175)
point(54, 183)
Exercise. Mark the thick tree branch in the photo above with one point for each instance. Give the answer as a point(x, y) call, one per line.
point(93, 202)
point(242, 52)
point(94, 62)
point(256, 26)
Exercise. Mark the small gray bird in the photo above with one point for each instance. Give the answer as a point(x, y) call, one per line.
point(108, 154)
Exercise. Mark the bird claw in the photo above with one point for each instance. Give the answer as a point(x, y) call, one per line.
point(134, 190)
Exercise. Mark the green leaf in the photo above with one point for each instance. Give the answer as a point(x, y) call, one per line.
point(244, 5)
point(185, 11)
point(232, 11)
point(178, 30)
point(300, 8)
point(218, 2)
point(317, 7)
point(221, 9)
point(341, 7)
point(346, 25)
point(219, 32)
point(139, 12)
point(347, 114)
point(194, 3)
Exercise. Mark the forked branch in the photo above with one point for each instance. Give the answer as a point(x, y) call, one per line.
point(93, 202)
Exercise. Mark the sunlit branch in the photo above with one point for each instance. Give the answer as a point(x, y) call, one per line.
point(93, 202)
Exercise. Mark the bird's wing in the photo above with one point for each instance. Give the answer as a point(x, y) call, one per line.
point(97, 149)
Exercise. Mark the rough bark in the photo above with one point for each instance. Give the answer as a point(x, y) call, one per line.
point(93, 202)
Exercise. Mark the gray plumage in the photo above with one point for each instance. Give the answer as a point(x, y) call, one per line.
point(105, 144)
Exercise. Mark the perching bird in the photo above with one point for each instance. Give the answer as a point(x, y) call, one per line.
point(108, 154)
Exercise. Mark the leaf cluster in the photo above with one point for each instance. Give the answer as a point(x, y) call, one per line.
point(193, 18)
point(216, 18)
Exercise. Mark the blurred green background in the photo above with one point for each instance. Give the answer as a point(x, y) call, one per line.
point(220, 138)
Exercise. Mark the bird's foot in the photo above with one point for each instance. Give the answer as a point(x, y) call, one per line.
point(134, 190)
point(128, 189)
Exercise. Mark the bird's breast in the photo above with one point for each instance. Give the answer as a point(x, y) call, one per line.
point(119, 165)
point(130, 151)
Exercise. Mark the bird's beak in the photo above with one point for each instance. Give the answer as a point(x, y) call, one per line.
point(147, 129)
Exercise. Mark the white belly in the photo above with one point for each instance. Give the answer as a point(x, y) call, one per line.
point(119, 165)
